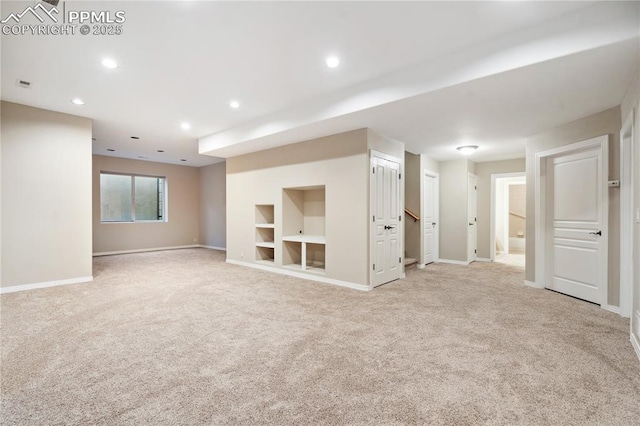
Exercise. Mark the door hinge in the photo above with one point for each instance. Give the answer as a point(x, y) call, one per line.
point(400, 176)
point(475, 187)
point(475, 251)
point(399, 260)
point(374, 218)
point(400, 218)
point(374, 170)
point(374, 266)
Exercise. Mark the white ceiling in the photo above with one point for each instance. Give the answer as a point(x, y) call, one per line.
point(405, 71)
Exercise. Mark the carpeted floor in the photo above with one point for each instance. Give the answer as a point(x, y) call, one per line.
point(180, 337)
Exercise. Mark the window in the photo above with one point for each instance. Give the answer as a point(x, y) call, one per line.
point(130, 198)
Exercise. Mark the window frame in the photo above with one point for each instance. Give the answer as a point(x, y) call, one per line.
point(165, 198)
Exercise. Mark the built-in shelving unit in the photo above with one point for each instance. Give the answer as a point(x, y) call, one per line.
point(265, 229)
point(303, 241)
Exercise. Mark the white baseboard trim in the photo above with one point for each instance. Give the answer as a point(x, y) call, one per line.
point(111, 253)
point(23, 287)
point(300, 275)
point(453, 262)
point(636, 345)
point(532, 284)
point(421, 265)
point(611, 308)
point(483, 259)
point(213, 247)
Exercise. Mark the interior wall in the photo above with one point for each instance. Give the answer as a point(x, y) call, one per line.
point(46, 196)
point(340, 163)
point(412, 202)
point(604, 123)
point(213, 205)
point(183, 208)
point(517, 209)
point(484, 172)
point(454, 209)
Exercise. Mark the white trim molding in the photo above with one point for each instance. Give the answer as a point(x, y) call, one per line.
point(611, 308)
point(111, 253)
point(453, 262)
point(23, 287)
point(302, 275)
point(636, 345)
point(213, 247)
point(492, 208)
point(627, 143)
point(533, 284)
point(483, 259)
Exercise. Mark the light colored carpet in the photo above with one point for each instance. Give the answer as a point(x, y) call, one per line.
point(180, 337)
point(513, 259)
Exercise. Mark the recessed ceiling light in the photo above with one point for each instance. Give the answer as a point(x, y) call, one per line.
point(333, 61)
point(135, 137)
point(467, 149)
point(182, 159)
point(110, 150)
point(234, 104)
point(140, 156)
point(109, 63)
point(77, 101)
point(160, 150)
point(185, 125)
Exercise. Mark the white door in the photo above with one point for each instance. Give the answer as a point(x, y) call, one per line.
point(430, 218)
point(576, 212)
point(386, 216)
point(472, 240)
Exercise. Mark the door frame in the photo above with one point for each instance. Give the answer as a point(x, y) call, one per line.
point(436, 208)
point(492, 212)
point(626, 214)
point(475, 257)
point(377, 154)
point(541, 205)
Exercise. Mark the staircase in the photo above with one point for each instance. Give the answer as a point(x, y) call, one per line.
point(410, 263)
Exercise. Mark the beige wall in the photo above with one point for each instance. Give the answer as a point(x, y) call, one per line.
point(517, 209)
point(413, 198)
point(453, 209)
point(213, 205)
point(604, 123)
point(183, 209)
point(484, 172)
point(340, 163)
point(46, 196)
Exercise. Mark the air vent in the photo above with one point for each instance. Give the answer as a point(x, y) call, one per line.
point(23, 83)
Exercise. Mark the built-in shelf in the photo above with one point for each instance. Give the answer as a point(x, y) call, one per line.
point(265, 232)
point(303, 220)
point(265, 244)
point(301, 238)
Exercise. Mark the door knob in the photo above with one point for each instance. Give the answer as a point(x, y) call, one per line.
point(388, 227)
point(470, 224)
point(595, 233)
point(433, 223)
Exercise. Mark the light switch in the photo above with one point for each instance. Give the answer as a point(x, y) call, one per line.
point(638, 215)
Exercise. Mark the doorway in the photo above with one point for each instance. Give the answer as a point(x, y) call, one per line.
point(572, 219)
point(508, 218)
point(430, 214)
point(386, 214)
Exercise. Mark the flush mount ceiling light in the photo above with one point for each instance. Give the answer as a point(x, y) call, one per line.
point(467, 149)
point(109, 63)
point(185, 125)
point(333, 61)
point(77, 101)
point(234, 104)
point(135, 137)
